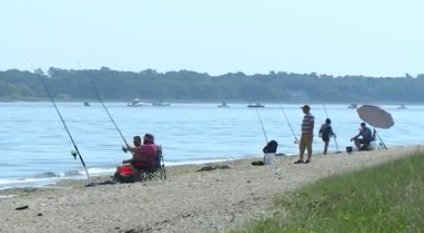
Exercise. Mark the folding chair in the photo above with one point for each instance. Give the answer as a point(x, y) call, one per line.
point(158, 171)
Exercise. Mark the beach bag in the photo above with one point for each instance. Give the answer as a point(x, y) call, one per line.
point(124, 174)
point(270, 147)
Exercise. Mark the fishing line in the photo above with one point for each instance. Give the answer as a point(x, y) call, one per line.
point(262, 125)
point(296, 141)
point(326, 115)
point(76, 152)
point(381, 141)
point(105, 108)
point(111, 119)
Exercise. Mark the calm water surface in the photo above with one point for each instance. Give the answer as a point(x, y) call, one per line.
point(35, 148)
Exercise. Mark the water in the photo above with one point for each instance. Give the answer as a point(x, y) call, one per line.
point(35, 148)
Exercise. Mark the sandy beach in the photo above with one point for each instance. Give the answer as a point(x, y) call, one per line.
point(188, 201)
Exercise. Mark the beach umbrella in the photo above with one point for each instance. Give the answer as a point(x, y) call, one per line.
point(375, 116)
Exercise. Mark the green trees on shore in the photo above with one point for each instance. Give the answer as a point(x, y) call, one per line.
point(192, 86)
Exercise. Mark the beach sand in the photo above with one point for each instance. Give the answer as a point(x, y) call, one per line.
point(188, 201)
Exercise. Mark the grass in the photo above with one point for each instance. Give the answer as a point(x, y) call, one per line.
point(385, 198)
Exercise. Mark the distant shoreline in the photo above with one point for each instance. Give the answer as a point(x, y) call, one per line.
point(229, 102)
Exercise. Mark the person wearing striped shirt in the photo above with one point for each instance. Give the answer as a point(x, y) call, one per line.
point(307, 135)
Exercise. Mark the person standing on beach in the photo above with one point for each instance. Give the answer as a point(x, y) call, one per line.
point(326, 132)
point(307, 135)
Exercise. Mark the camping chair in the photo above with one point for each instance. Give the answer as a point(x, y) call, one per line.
point(158, 171)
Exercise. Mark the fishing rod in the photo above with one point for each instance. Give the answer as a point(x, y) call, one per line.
point(111, 118)
point(296, 141)
point(326, 115)
point(105, 108)
point(381, 141)
point(262, 125)
point(76, 152)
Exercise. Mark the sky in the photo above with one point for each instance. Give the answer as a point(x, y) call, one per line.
point(337, 37)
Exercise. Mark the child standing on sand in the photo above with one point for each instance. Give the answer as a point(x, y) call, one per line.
point(326, 132)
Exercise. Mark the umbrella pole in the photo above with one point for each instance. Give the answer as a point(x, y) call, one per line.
point(381, 140)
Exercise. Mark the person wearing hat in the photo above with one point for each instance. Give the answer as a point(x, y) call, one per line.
point(307, 135)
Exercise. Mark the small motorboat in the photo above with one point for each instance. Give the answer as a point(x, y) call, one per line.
point(256, 105)
point(352, 106)
point(137, 103)
point(87, 104)
point(401, 107)
point(160, 104)
point(223, 105)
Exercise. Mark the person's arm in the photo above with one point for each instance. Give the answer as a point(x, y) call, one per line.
point(359, 134)
point(132, 150)
point(313, 122)
point(332, 132)
point(320, 131)
point(127, 161)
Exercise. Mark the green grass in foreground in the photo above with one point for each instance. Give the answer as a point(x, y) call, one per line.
point(386, 198)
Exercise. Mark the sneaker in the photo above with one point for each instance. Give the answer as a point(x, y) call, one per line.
point(298, 161)
point(307, 161)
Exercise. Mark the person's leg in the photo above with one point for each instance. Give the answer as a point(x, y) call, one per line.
point(357, 143)
point(309, 146)
point(325, 147)
point(136, 172)
point(116, 175)
point(302, 146)
point(326, 140)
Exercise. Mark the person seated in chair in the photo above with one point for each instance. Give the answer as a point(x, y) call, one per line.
point(144, 155)
point(366, 137)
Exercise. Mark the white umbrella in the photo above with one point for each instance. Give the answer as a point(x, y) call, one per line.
point(375, 116)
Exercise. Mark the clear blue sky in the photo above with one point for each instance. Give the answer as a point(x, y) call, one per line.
point(370, 37)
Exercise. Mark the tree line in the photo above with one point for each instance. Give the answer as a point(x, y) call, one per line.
point(187, 85)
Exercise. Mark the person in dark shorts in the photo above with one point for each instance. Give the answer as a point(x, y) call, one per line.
point(326, 132)
point(366, 137)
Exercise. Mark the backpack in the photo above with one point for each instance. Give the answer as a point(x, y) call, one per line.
point(124, 174)
point(270, 147)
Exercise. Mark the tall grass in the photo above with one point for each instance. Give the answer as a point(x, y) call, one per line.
point(387, 198)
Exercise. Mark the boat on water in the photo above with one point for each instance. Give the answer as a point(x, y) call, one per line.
point(137, 103)
point(223, 105)
point(402, 106)
point(256, 105)
point(87, 104)
point(160, 104)
point(353, 106)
